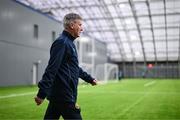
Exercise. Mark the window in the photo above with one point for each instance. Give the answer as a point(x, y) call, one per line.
point(53, 36)
point(36, 31)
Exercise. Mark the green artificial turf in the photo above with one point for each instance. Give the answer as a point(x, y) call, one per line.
point(132, 99)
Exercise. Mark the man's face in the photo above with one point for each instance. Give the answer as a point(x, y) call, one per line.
point(77, 28)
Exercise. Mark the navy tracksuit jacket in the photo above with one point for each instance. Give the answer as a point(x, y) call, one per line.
point(60, 80)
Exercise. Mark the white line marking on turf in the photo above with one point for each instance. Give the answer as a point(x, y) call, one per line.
point(16, 95)
point(12, 106)
point(129, 92)
point(149, 83)
point(132, 105)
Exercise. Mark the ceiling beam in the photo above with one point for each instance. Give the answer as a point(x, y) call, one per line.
point(139, 16)
point(114, 31)
point(95, 25)
point(133, 29)
point(138, 28)
point(85, 5)
point(125, 29)
point(150, 40)
point(152, 30)
point(57, 7)
point(165, 17)
point(152, 52)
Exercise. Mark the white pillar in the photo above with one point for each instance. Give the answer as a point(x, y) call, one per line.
point(93, 58)
point(80, 52)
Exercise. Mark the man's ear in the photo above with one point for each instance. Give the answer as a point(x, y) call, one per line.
point(71, 26)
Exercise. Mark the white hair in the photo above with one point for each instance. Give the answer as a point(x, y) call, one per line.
point(69, 18)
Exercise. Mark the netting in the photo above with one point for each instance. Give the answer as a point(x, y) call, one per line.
point(106, 72)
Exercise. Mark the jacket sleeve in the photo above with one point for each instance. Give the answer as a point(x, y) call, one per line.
point(56, 55)
point(85, 76)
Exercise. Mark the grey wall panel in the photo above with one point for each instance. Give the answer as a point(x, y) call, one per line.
point(17, 61)
point(18, 47)
point(18, 21)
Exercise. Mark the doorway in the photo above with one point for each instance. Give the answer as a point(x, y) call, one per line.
point(35, 73)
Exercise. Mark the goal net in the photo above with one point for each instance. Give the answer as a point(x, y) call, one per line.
point(86, 67)
point(106, 72)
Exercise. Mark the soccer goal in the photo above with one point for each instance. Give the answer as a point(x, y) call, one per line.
point(86, 67)
point(106, 72)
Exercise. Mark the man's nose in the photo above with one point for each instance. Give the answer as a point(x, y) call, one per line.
point(82, 29)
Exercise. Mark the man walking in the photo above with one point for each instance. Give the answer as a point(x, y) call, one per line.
point(60, 79)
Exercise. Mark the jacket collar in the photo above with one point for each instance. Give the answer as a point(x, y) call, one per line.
point(66, 33)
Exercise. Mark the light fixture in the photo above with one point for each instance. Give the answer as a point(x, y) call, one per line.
point(128, 21)
point(122, 6)
point(133, 37)
point(137, 53)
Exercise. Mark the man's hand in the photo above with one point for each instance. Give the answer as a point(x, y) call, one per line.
point(94, 82)
point(38, 100)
